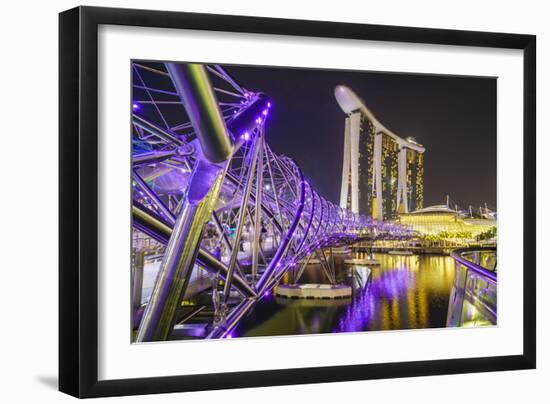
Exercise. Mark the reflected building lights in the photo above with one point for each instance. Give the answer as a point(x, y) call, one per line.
point(400, 295)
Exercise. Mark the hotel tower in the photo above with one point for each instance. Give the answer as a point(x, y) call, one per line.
point(382, 174)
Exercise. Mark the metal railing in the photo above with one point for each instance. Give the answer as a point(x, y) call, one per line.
point(472, 258)
point(473, 297)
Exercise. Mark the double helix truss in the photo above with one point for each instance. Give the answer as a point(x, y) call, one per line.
point(227, 217)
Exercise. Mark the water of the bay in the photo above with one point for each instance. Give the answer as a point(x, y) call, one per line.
point(405, 292)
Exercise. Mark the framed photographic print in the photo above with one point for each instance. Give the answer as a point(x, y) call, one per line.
point(251, 201)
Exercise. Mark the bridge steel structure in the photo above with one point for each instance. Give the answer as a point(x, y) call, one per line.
point(206, 184)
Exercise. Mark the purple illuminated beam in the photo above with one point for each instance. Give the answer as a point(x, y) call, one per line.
point(274, 264)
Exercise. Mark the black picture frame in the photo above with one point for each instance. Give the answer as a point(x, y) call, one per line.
point(78, 196)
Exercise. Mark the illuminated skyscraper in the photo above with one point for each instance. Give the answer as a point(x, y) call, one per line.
point(357, 177)
point(415, 178)
point(382, 173)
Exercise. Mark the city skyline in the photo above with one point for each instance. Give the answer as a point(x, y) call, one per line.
point(451, 116)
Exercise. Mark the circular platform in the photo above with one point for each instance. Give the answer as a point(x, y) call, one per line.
point(340, 250)
point(313, 291)
point(314, 303)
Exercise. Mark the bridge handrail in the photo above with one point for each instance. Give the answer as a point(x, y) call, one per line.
point(457, 255)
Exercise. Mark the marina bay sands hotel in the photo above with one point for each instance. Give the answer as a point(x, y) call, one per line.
point(382, 174)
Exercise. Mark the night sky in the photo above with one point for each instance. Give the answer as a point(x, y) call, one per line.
point(453, 117)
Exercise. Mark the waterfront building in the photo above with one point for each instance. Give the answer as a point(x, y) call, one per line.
point(440, 220)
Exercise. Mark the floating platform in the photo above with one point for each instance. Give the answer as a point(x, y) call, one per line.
point(362, 261)
point(313, 291)
point(400, 252)
point(339, 250)
point(315, 303)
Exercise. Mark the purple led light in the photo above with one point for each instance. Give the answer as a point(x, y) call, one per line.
point(135, 106)
point(269, 104)
point(246, 136)
point(264, 112)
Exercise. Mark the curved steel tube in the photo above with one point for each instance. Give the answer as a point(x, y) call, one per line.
point(193, 86)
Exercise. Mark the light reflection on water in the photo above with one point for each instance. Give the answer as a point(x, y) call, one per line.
point(405, 292)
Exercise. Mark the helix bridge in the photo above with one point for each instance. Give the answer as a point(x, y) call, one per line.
point(226, 215)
